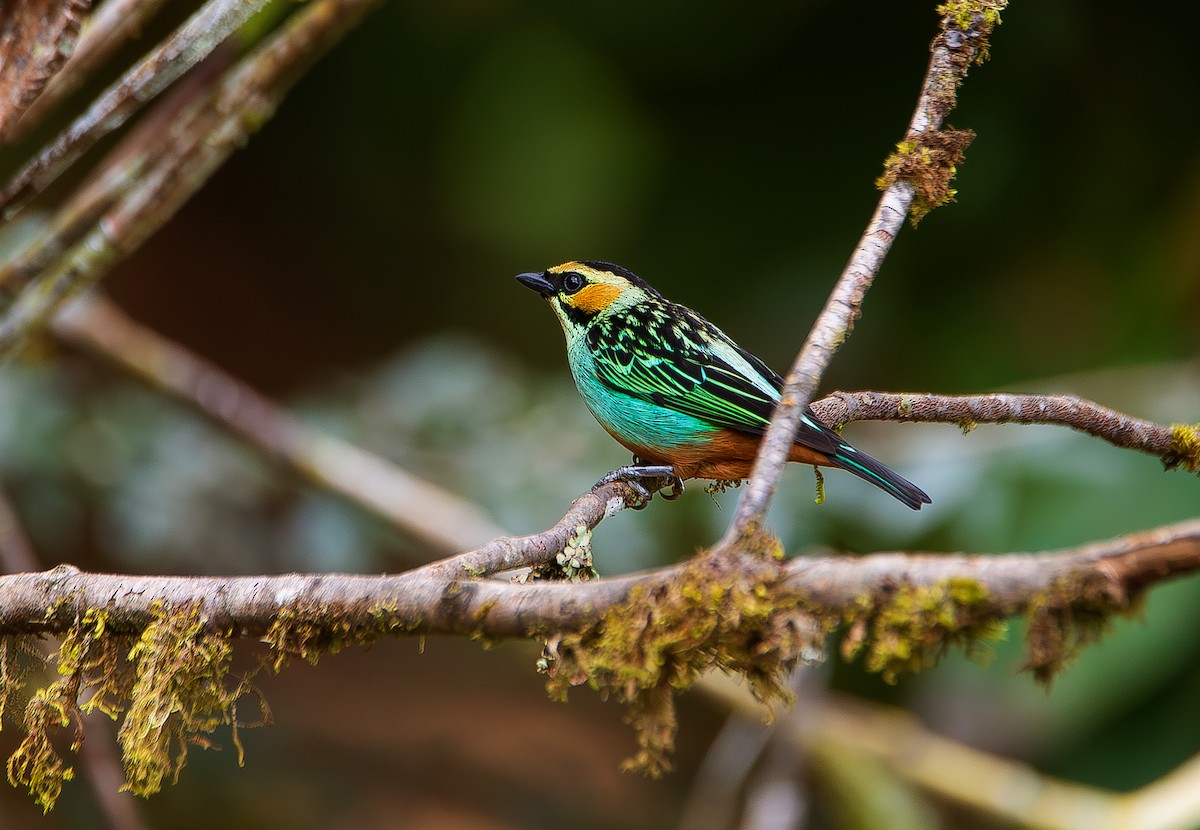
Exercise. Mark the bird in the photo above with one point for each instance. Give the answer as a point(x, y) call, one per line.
point(675, 390)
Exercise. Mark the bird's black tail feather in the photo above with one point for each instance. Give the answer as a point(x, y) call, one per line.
point(888, 480)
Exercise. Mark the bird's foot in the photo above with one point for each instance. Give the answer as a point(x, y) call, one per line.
point(645, 480)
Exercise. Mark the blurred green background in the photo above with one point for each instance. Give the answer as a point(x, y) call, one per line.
point(356, 258)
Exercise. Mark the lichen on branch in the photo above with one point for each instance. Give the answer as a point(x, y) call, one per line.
point(928, 161)
point(736, 616)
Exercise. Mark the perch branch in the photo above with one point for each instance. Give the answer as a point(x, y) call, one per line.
point(1117, 428)
point(954, 49)
point(445, 597)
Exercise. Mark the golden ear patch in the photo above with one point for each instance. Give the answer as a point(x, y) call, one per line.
point(594, 297)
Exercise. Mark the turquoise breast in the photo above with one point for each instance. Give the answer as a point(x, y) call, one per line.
point(638, 422)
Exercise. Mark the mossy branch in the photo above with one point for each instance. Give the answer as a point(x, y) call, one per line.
point(962, 41)
point(639, 638)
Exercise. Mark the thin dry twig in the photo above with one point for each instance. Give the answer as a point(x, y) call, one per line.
point(152, 138)
point(36, 38)
point(450, 523)
point(246, 98)
point(197, 37)
point(966, 411)
point(955, 48)
point(437, 517)
point(104, 31)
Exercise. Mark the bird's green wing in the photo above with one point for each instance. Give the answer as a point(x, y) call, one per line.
point(708, 379)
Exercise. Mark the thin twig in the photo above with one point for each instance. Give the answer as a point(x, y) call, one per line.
point(953, 51)
point(152, 138)
point(966, 411)
point(436, 516)
point(245, 99)
point(198, 36)
point(103, 33)
point(36, 38)
point(445, 598)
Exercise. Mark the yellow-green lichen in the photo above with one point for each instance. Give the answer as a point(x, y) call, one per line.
point(36, 764)
point(976, 16)
point(911, 628)
point(928, 162)
point(730, 613)
point(88, 657)
point(1185, 447)
point(1075, 610)
point(306, 631)
point(181, 694)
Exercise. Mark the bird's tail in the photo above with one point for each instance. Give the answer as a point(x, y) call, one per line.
point(886, 479)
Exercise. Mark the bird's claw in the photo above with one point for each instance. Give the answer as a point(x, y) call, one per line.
point(633, 475)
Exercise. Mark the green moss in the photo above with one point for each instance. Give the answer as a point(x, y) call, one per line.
point(732, 613)
point(308, 630)
point(86, 651)
point(1185, 448)
point(973, 15)
point(36, 764)
point(1077, 609)
point(181, 694)
point(913, 626)
point(928, 162)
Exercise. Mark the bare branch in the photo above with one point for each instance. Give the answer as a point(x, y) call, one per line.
point(209, 26)
point(245, 99)
point(432, 514)
point(103, 33)
point(957, 46)
point(1166, 442)
point(36, 37)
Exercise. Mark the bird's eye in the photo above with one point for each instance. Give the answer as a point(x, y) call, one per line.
point(572, 282)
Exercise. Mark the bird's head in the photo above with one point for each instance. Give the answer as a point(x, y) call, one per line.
point(581, 292)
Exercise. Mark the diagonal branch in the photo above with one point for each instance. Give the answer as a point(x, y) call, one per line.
point(113, 23)
point(245, 98)
point(197, 37)
point(961, 42)
point(437, 517)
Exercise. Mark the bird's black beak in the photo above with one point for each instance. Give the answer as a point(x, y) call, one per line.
point(537, 281)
